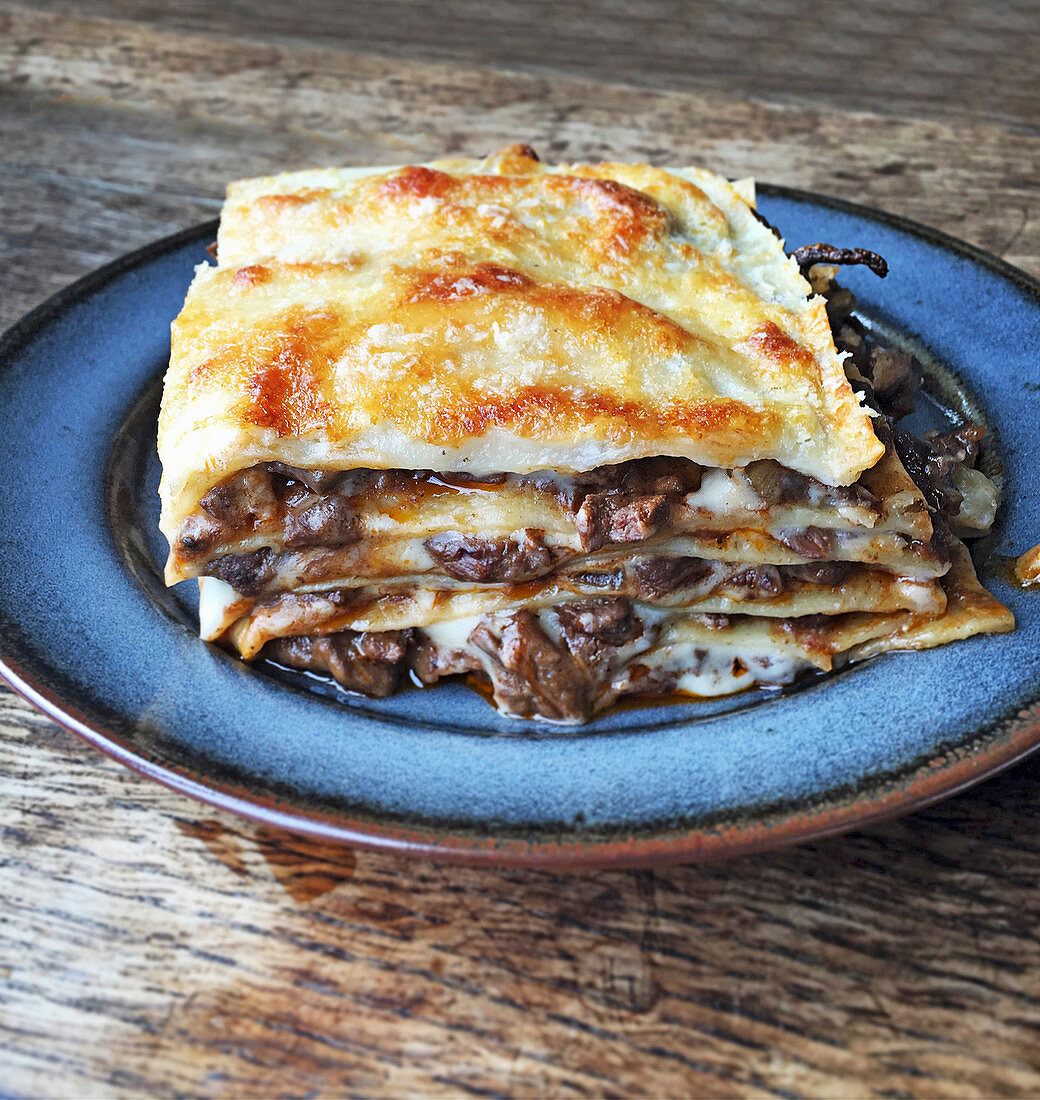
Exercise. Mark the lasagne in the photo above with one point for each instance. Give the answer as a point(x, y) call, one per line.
point(578, 431)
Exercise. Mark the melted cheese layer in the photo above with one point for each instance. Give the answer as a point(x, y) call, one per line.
point(500, 316)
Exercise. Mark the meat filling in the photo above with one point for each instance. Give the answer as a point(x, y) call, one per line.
point(494, 560)
point(563, 676)
point(657, 577)
point(611, 505)
point(567, 661)
point(246, 573)
point(811, 254)
point(371, 663)
point(932, 463)
point(649, 578)
point(891, 378)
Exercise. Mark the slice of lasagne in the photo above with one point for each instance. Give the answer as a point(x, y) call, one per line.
point(579, 431)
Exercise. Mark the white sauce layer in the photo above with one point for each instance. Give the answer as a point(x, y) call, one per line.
point(452, 635)
point(216, 599)
point(721, 668)
point(724, 491)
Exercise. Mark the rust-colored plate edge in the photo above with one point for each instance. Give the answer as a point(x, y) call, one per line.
point(1013, 739)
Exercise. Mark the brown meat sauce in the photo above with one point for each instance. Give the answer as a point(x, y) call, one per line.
point(562, 663)
point(611, 505)
point(528, 672)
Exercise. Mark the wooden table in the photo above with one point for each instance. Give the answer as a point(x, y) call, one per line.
point(149, 945)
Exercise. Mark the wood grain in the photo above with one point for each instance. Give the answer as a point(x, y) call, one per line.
point(954, 59)
point(149, 946)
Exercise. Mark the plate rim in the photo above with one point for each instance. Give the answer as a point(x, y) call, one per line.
point(1009, 740)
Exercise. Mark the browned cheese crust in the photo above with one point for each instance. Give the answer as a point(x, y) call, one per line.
point(500, 316)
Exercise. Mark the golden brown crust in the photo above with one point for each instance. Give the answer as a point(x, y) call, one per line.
point(501, 315)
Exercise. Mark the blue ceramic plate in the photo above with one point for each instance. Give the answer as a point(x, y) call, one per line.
point(89, 633)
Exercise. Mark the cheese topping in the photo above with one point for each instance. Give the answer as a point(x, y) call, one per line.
point(500, 316)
